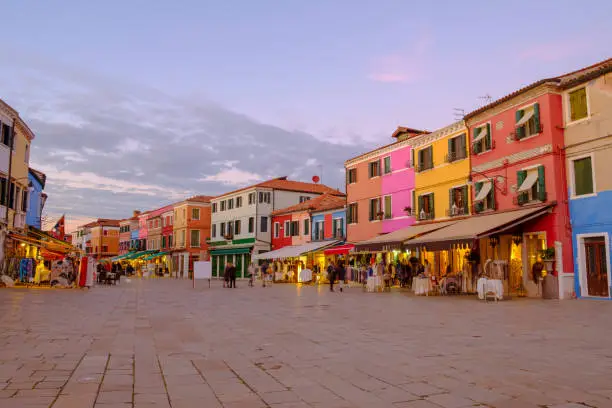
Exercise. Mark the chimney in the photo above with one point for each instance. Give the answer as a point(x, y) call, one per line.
point(136, 213)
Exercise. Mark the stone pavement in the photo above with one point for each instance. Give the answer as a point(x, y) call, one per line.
point(160, 343)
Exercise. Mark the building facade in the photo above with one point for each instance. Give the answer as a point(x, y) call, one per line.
point(38, 198)
point(241, 219)
point(442, 164)
point(167, 218)
point(104, 241)
point(379, 186)
point(517, 163)
point(155, 227)
point(587, 118)
point(143, 230)
point(191, 230)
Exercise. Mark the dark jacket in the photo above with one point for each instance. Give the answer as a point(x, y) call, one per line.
point(231, 272)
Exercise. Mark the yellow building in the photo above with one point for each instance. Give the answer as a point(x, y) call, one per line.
point(442, 164)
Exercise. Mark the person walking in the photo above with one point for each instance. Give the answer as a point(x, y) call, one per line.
point(264, 271)
point(251, 271)
point(331, 275)
point(226, 275)
point(232, 275)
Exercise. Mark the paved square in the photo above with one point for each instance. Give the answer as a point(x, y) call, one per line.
point(160, 343)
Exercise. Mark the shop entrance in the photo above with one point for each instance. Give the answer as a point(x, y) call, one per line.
point(596, 266)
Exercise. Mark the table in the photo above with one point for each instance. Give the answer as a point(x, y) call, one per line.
point(373, 283)
point(495, 286)
point(420, 286)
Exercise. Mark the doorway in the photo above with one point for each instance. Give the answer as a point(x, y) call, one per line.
point(596, 266)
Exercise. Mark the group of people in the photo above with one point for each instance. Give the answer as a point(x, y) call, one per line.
point(229, 276)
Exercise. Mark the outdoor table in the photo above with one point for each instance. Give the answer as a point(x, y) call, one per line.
point(495, 286)
point(420, 286)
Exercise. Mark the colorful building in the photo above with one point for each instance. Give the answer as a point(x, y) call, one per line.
point(191, 231)
point(167, 218)
point(241, 219)
point(143, 230)
point(587, 119)
point(104, 242)
point(379, 187)
point(127, 229)
point(38, 198)
point(155, 226)
point(518, 162)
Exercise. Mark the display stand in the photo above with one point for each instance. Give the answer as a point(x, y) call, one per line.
point(202, 270)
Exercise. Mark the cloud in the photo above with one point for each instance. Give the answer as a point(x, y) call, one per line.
point(552, 51)
point(404, 66)
point(109, 148)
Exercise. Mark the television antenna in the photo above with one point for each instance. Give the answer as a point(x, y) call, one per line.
point(458, 113)
point(486, 98)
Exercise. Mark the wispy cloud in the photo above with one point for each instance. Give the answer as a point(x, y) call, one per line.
point(233, 177)
point(552, 51)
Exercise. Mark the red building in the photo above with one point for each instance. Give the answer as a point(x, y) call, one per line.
point(167, 219)
point(281, 230)
point(518, 162)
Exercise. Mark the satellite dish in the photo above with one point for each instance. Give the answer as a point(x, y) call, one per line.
point(315, 179)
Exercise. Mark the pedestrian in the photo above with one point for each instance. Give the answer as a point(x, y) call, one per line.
point(331, 275)
point(251, 271)
point(226, 275)
point(264, 271)
point(232, 275)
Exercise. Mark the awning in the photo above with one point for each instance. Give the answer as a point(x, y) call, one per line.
point(481, 135)
point(231, 251)
point(484, 191)
point(293, 251)
point(339, 250)
point(136, 255)
point(476, 227)
point(395, 239)
point(532, 177)
point(525, 118)
point(120, 257)
point(149, 257)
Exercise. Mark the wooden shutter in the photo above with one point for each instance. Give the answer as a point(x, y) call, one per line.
point(451, 155)
point(412, 164)
point(464, 193)
point(450, 201)
point(479, 206)
point(541, 184)
point(489, 138)
point(492, 193)
point(521, 175)
point(420, 167)
point(413, 203)
point(431, 207)
point(420, 205)
point(520, 131)
point(476, 145)
point(431, 156)
point(536, 117)
point(463, 145)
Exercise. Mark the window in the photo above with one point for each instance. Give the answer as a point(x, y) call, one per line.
point(150, 224)
point(578, 105)
point(425, 159)
point(306, 226)
point(183, 234)
point(532, 185)
point(265, 197)
point(230, 204)
point(157, 223)
point(223, 205)
point(24, 201)
point(251, 198)
point(276, 230)
point(171, 220)
point(304, 198)
point(295, 228)
point(222, 229)
point(338, 227)
point(169, 241)
point(104, 249)
point(583, 176)
point(528, 121)
point(352, 214)
point(195, 238)
point(261, 197)
point(238, 202)
point(351, 176)
point(163, 242)
point(264, 224)
point(375, 210)
point(3, 198)
point(214, 207)
point(230, 228)
point(319, 230)
point(251, 225)
point(268, 197)
point(237, 227)
point(105, 233)
point(388, 210)
point(484, 198)
point(6, 134)
point(456, 148)
point(214, 230)
point(27, 153)
point(481, 139)
point(374, 169)
point(286, 229)
point(195, 213)
point(426, 207)
point(458, 201)
point(387, 164)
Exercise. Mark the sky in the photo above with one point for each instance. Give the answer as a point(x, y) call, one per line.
point(137, 104)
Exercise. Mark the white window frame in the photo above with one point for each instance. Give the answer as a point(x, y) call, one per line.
point(287, 229)
point(582, 262)
point(567, 111)
point(571, 161)
point(277, 230)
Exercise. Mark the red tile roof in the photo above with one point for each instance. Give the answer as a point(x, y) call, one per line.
point(322, 203)
point(413, 132)
point(201, 198)
point(281, 183)
point(102, 222)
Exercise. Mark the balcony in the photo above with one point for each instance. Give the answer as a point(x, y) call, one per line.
point(19, 220)
point(455, 156)
point(424, 166)
point(526, 198)
point(424, 216)
point(456, 212)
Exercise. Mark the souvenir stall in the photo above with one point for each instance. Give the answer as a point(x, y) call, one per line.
point(159, 264)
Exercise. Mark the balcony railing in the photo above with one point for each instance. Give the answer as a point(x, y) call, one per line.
point(523, 198)
point(423, 216)
point(454, 156)
point(424, 166)
point(456, 212)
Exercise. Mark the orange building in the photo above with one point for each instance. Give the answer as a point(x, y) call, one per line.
point(104, 238)
point(191, 233)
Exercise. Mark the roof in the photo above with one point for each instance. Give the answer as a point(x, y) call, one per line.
point(39, 175)
point(281, 183)
point(413, 132)
point(201, 198)
point(102, 222)
point(322, 203)
point(566, 81)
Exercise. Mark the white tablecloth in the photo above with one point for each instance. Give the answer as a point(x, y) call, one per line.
point(485, 285)
point(373, 282)
point(305, 275)
point(420, 286)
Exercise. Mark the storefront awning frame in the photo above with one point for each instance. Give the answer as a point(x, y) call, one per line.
point(395, 240)
point(231, 251)
point(294, 251)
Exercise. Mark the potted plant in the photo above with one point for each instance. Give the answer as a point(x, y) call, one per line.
point(548, 257)
point(380, 215)
point(408, 210)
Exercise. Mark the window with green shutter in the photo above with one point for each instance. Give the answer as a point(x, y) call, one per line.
point(388, 212)
point(479, 206)
point(541, 184)
point(528, 121)
point(387, 164)
point(481, 139)
point(522, 197)
point(583, 176)
point(578, 108)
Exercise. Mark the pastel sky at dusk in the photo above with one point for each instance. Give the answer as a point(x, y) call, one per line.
point(138, 103)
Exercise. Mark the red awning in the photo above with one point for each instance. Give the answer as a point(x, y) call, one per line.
point(340, 250)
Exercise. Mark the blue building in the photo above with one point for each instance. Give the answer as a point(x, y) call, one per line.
point(37, 181)
point(329, 224)
point(588, 150)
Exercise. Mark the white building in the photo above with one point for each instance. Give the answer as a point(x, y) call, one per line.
point(241, 219)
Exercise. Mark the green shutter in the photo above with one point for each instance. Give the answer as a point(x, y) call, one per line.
point(432, 207)
point(521, 175)
point(492, 193)
point(520, 131)
point(420, 205)
point(420, 167)
point(464, 193)
point(431, 160)
point(536, 117)
point(479, 206)
point(413, 203)
point(412, 164)
point(489, 138)
point(541, 184)
point(214, 265)
point(450, 150)
point(476, 146)
point(463, 145)
point(450, 201)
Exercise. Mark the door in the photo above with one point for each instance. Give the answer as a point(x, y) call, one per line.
point(238, 266)
point(213, 260)
point(596, 266)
